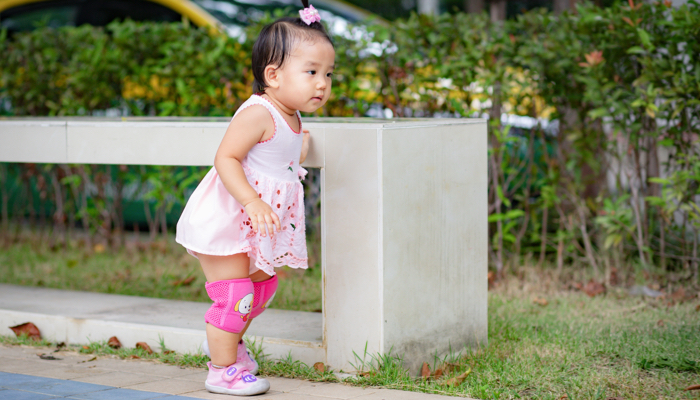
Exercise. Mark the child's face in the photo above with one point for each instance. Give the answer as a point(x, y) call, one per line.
point(305, 78)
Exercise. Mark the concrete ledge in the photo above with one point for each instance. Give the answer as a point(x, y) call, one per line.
point(83, 317)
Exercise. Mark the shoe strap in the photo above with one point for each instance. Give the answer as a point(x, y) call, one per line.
point(235, 373)
point(232, 373)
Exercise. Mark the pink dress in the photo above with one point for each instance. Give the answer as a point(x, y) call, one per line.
point(214, 223)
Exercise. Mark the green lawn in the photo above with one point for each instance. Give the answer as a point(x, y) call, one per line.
point(160, 269)
point(609, 346)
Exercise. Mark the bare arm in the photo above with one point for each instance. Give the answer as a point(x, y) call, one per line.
point(250, 126)
point(305, 146)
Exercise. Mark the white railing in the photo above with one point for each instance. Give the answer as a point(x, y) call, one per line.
point(403, 226)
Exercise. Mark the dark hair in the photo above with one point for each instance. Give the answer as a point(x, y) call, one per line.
point(276, 42)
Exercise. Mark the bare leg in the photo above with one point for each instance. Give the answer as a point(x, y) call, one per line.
point(223, 345)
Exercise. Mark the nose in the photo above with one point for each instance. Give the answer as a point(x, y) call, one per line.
point(321, 83)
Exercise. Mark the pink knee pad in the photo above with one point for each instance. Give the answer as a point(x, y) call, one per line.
point(233, 301)
point(264, 293)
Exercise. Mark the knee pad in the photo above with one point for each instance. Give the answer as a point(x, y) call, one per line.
point(233, 302)
point(264, 293)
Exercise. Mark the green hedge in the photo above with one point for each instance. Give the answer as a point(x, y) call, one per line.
point(622, 82)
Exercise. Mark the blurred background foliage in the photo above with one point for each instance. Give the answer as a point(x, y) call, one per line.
point(601, 172)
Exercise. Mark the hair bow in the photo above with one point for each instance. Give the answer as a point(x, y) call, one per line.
point(310, 15)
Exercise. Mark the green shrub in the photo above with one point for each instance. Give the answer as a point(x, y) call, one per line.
point(622, 82)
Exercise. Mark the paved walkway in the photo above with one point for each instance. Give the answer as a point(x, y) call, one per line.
point(25, 376)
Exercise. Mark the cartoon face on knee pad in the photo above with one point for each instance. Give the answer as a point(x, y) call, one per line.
point(244, 306)
point(233, 303)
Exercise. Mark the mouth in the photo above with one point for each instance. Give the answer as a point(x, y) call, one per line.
point(317, 98)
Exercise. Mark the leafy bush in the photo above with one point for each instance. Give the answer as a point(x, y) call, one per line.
point(613, 92)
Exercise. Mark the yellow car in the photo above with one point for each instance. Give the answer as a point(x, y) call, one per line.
point(230, 16)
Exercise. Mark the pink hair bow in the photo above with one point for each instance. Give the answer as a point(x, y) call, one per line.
point(310, 15)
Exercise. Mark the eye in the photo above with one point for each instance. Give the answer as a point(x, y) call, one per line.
point(330, 74)
point(312, 72)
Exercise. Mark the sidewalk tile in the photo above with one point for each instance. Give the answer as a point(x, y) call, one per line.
point(288, 385)
point(112, 364)
point(270, 395)
point(295, 396)
point(204, 394)
point(15, 351)
point(119, 379)
point(22, 365)
point(7, 379)
point(69, 372)
point(335, 391)
point(197, 375)
point(388, 394)
point(57, 387)
point(155, 369)
point(120, 394)
point(18, 395)
point(170, 386)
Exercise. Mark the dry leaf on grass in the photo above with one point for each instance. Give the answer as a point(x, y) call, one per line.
point(320, 367)
point(678, 295)
point(541, 301)
point(425, 370)
point(449, 367)
point(144, 346)
point(114, 343)
point(693, 387)
point(438, 373)
point(593, 288)
point(697, 308)
point(457, 380)
point(133, 357)
point(564, 397)
point(169, 352)
point(660, 323)
point(27, 328)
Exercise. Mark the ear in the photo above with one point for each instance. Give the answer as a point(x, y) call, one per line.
point(271, 76)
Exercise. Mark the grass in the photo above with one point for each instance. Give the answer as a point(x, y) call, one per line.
point(150, 269)
point(609, 346)
point(586, 348)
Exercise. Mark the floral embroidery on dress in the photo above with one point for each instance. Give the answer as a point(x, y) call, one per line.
point(291, 164)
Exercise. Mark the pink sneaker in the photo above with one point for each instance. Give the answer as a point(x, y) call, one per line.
point(244, 358)
point(235, 380)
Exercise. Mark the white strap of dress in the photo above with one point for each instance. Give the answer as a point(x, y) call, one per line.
point(254, 100)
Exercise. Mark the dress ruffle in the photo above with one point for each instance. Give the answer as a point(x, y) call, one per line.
point(215, 223)
point(287, 247)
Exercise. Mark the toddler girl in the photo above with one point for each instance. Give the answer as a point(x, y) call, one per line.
point(246, 217)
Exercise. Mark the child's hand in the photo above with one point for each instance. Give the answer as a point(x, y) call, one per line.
point(305, 146)
point(261, 215)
